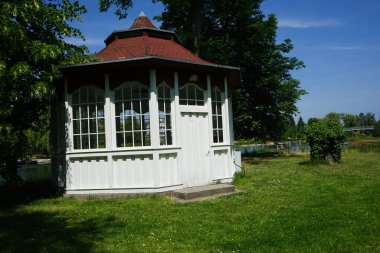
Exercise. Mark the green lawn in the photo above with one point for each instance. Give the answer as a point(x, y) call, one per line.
point(288, 205)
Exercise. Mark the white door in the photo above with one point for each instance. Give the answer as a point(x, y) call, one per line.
point(195, 149)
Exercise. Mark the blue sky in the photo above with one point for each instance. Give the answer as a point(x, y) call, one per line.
point(339, 42)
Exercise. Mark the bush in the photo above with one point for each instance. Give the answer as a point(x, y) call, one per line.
point(325, 137)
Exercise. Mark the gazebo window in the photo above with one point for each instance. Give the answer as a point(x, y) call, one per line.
point(217, 119)
point(191, 94)
point(132, 115)
point(88, 118)
point(165, 120)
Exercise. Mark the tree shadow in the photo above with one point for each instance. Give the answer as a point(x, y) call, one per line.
point(25, 231)
point(28, 192)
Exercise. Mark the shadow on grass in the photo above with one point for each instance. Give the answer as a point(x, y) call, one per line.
point(48, 232)
point(28, 192)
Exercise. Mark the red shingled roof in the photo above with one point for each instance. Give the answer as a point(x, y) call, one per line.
point(142, 22)
point(143, 39)
point(144, 46)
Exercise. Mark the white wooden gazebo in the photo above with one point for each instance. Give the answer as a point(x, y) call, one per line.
point(150, 116)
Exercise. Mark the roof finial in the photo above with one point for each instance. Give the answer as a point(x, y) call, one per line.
point(142, 14)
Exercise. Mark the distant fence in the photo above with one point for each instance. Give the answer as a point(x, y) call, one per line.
point(362, 128)
point(280, 146)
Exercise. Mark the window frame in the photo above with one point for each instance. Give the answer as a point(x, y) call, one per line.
point(217, 116)
point(165, 114)
point(144, 131)
point(187, 99)
point(91, 132)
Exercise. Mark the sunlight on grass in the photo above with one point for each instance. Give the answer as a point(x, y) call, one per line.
point(287, 205)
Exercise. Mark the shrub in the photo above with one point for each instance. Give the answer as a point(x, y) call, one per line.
point(325, 137)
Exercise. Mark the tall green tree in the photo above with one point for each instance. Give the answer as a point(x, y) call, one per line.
point(33, 45)
point(238, 33)
point(300, 128)
point(350, 120)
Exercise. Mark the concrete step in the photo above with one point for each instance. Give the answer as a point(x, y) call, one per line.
point(202, 192)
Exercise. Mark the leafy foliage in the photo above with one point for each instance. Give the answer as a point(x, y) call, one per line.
point(376, 130)
point(325, 137)
point(238, 33)
point(32, 47)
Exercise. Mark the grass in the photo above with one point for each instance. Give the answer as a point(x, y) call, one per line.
point(288, 205)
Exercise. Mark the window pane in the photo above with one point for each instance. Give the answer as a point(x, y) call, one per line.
point(162, 121)
point(144, 93)
point(219, 108)
point(128, 123)
point(83, 95)
point(136, 107)
point(127, 108)
point(120, 139)
point(167, 92)
point(146, 122)
point(119, 124)
point(191, 102)
point(214, 122)
point(146, 136)
point(92, 125)
point(93, 141)
point(100, 96)
point(213, 108)
point(128, 139)
point(85, 142)
point(162, 138)
point(168, 122)
point(75, 99)
point(101, 126)
point(84, 126)
point(137, 122)
point(137, 135)
point(127, 92)
point(168, 106)
point(220, 135)
point(118, 108)
point(102, 140)
point(220, 124)
point(160, 90)
point(215, 136)
point(200, 94)
point(100, 108)
point(144, 106)
point(76, 112)
point(76, 141)
point(169, 137)
point(84, 113)
point(92, 110)
point(118, 94)
point(182, 93)
point(191, 91)
point(135, 92)
point(161, 108)
point(200, 102)
point(91, 95)
point(213, 96)
point(76, 126)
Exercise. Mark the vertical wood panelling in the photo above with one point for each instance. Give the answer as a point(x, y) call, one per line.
point(168, 169)
point(220, 165)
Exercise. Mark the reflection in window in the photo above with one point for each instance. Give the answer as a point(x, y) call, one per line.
point(165, 121)
point(191, 94)
point(217, 119)
point(88, 118)
point(132, 115)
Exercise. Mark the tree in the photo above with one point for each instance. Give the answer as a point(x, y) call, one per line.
point(33, 45)
point(334, 116)
point(300, 128)
point(238, 33)
point(350, 120)
point(376, 130)
point(325, 137)
point(311, 121)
